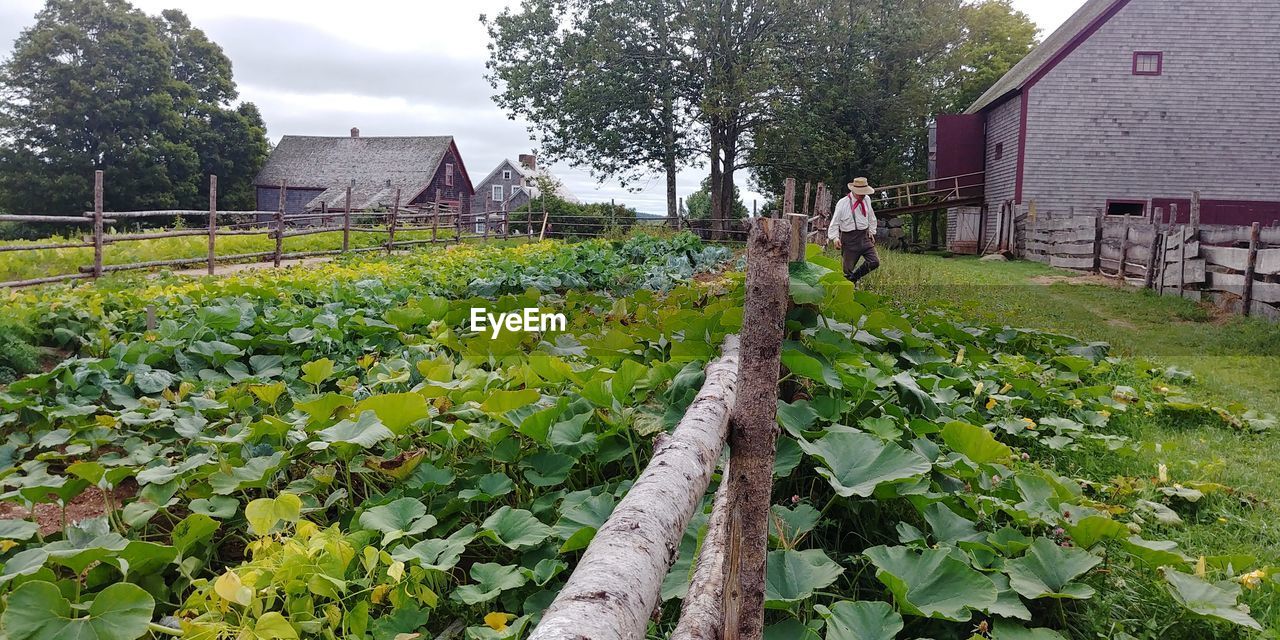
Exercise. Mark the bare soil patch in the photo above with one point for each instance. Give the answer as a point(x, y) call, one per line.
point(91, 503)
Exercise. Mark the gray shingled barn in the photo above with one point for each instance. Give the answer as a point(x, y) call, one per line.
point(1128, 107)
point(318, 169)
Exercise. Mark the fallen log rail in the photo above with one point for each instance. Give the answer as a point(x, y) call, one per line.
point(616, 585)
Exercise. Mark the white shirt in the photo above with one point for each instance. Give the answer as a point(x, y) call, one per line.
point(844, 218)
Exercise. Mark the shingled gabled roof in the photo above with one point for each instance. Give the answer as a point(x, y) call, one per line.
point(1087, 19)
point(374, 167)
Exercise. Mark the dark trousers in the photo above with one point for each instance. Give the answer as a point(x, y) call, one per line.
point(854, 246)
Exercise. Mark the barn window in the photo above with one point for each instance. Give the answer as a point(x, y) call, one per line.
point(1148, 63)
point(999, 150)
point(497, 193)
point(506, 175)
point(1127, 208)
point(448, 174)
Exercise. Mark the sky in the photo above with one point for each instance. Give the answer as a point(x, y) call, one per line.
point(394, 68)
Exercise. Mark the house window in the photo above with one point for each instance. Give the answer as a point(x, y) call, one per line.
point(506, 175)
point(1148, 63)
point(999, 150)
point(448, 174)
point(497, 193)
point(479, 226)
point(1127, 208)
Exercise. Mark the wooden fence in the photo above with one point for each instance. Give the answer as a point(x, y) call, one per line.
point(446, 224)
point(1235, 267)
point(617, 584)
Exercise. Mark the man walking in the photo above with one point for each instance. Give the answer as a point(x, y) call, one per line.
point(853, 229)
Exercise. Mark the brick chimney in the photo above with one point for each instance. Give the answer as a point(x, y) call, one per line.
point(355, 132)
point(529, 161)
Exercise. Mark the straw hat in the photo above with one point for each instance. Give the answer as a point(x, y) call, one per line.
point(861, 187)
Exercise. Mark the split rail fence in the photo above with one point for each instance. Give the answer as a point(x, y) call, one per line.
point(445, 223)
point(1235, 267)
point(616, 587)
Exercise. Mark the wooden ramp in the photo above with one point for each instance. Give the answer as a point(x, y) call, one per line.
point(930, 195)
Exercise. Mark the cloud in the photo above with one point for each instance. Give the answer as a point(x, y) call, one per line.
point(297, 57)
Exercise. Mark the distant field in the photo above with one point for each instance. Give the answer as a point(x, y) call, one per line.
point(19, 265)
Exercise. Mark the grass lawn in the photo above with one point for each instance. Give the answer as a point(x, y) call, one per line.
point(1235, 361)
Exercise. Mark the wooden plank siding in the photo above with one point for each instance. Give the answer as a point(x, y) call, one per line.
point(1096, 131)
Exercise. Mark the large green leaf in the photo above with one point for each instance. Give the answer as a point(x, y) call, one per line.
point(500, 402)
point(860, 621)
point(264, 513)
point(1047, 571)
point(856, 463)
point(1206, 600)
point(932, 583)
point(441, 554)
point(975, 443)
point(514, 528)
point(397, 519)
point(490, 580)
point(396, 411)
point(547, 469)
point(364, 432)
point(791, 576)
point(37, 611)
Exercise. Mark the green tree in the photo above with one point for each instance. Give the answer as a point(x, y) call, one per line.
point(620, 85)
point(698, 204)
point(97, 84)
point(597, 80)
point(996, 37)
point(874, 75)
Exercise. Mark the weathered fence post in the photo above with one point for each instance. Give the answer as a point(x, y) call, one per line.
point(543, 233)
point(435, 222)
point(213, 221)
point(754, 428)
point(1195, 211)
point(97, 223)
point(679, 208)
point(1251, 266)
point(1097, 242)
point(280, 224)
point(486, 224)
point(1182, 261)
point(457, 220)
point(391, 224)
point(346, 223)
point(1124, 252)
point(506, 221)
point(1156, 259)
point(788, 196)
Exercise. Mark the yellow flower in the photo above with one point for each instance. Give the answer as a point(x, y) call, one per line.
point(1253, 579)
point(960, 356)
point(991, 403)
point(1005, 389)
point(977, 390)
point(1162, 473)
point(1031, 424)
point(1202, 567)
point(496, 620)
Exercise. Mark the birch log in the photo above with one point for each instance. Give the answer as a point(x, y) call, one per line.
point(754, 432)
point(702, 614)
point(616, 585)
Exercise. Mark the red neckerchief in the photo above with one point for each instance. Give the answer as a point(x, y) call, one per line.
point(860, 204)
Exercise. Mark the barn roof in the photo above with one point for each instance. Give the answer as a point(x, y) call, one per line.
point(374, 167)
point(1071, 33)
